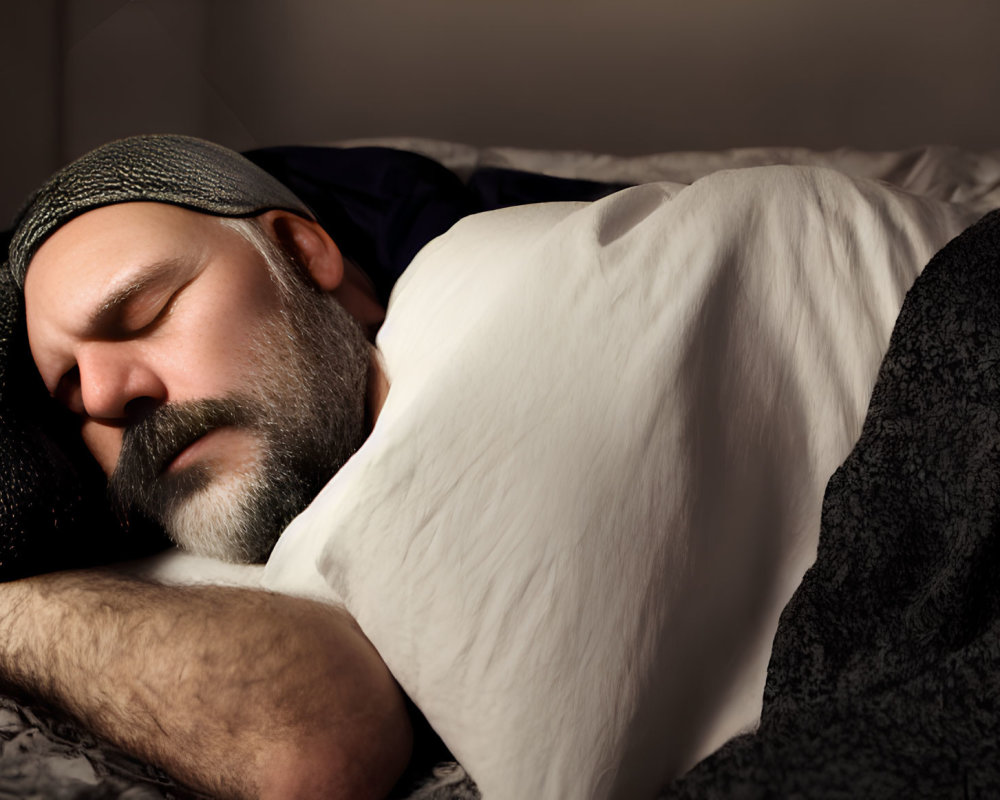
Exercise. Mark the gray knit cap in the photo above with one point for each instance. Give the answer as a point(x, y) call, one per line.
point(179, 170)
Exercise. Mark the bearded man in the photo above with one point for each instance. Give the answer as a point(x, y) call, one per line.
point(211, 340)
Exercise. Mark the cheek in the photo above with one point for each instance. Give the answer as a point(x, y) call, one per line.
point(218, 363)
point(104, 442)
point(213, 352)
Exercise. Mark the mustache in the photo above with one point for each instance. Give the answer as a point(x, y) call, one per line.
point(151, 443)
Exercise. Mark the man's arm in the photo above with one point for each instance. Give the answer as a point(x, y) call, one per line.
point(236, 692)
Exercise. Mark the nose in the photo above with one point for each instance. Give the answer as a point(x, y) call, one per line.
point(115, 380)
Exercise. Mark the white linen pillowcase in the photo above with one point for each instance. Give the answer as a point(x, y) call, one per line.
point(598, 473)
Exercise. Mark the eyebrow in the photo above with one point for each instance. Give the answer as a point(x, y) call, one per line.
point(130, 286)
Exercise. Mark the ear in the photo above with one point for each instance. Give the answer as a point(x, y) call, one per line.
point(308, 244)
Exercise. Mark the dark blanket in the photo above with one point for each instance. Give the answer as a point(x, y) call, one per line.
point(884, 680)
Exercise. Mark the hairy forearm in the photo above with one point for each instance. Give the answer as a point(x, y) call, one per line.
point(238, 692)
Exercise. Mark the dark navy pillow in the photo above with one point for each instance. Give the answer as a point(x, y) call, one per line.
point(382, 205)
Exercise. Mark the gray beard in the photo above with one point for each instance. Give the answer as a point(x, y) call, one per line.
point(304, 402)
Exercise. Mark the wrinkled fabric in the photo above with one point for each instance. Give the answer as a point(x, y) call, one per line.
point(885, 675)
point(597, 477)
point(44, 757)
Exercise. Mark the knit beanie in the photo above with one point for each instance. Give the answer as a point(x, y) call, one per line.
point(179, 170)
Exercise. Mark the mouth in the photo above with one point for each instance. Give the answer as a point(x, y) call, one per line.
point(174, 442)
point(184, 455)
point(223, 448)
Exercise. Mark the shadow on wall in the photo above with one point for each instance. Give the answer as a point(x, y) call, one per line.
point(628, 76)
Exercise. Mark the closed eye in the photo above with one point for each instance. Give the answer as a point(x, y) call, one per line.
point(141, 301)
point(145, 314)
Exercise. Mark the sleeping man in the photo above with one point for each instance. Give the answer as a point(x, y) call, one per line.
point(219, 388)
point(563, 501)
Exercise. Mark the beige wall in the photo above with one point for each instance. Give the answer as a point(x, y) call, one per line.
point(624, 76)
point(29, 80)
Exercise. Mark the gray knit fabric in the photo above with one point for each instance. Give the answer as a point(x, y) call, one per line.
point(179, 170)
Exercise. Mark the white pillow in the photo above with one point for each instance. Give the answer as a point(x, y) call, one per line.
point(597, 477)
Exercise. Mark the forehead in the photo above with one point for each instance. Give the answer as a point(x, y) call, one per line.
point(88, 252)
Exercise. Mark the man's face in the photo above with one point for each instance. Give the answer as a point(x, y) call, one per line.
point(217, 404)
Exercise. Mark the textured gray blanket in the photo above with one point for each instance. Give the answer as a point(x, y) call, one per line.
point(884, 680)
point(45, 757)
